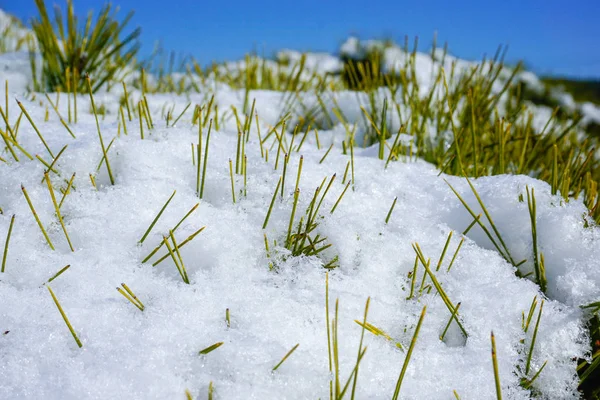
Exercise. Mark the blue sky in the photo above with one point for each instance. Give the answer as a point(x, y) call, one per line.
point(552, 36)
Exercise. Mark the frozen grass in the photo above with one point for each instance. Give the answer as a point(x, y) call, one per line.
point(321, 240)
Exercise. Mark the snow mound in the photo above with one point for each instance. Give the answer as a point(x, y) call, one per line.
point(154, 353)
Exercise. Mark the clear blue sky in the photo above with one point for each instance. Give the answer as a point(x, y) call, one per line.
point(552, 36)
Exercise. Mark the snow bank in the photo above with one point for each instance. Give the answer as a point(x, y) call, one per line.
point(154, 354)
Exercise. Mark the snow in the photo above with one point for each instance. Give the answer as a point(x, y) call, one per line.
point(154, 354)
point(16, 69)
point(590, 112)
point(351, 48)
point(531, 80)
point(319, 62)
point(14, 34)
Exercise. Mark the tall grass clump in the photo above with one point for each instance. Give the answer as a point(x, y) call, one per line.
point(98, 48)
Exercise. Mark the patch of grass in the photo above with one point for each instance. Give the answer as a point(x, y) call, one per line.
point(13, 37)
point(99, 49)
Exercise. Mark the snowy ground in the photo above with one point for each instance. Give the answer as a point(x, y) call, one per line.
point(154, 354)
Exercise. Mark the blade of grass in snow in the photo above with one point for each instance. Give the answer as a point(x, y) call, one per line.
point(379, 332)
point(93, 181)
point(413, 342)
point(339, 198)
point(60, 118)
point(455, 254)
point(13, 142)
point(533, 339)
point(45, 164)
point(453, 316)
point(122, 113)
point(295, 204)
point(528, 383)
point(64, 316)
point(472, 224)
point(389, 214)
point(272, 203)
point(539, 270)
point(232, 181)
point(8, 145)
point(108, 169)
point(181, 115)
point(439, 264)
point(483, 227)
point(156, 218)
point(205, 160)
point(176, 259)
point(186, 241)
point(211, 390)
point(495, 366)
point(37, 219)
point(129, 295)
point(413, 276)
point(157, 248)
point(126, 96)
point(57, 211)
point(210, 348)
point(360, 348)
point(107, 150)
point(183, 270)
point(5, 253)
point(59, 273)
point(329, 354)
point(67, 190)
point(438, 287)
point(35, 129)
point(53, 163)
point(140, 112)
point(289, 353)
point(326, 154)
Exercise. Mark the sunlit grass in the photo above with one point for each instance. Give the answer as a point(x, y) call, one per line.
point(455, 124)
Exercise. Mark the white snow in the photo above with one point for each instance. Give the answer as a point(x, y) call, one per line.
point(14, 34)
point(590, 112)
point(154, 354)
point(319, 62)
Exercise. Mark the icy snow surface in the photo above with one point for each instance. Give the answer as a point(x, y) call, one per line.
point(154, 354)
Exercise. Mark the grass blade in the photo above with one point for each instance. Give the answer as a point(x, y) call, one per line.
point(156, 218)
point(59, 273)
point(289, 353)
point(408, 355)
point(495, 366)
point(64, 316)
point(210, 348)
point(37, 218)
point(5, 254)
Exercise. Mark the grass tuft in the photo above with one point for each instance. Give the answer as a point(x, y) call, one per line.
point(129, 295)
point(100, 49)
